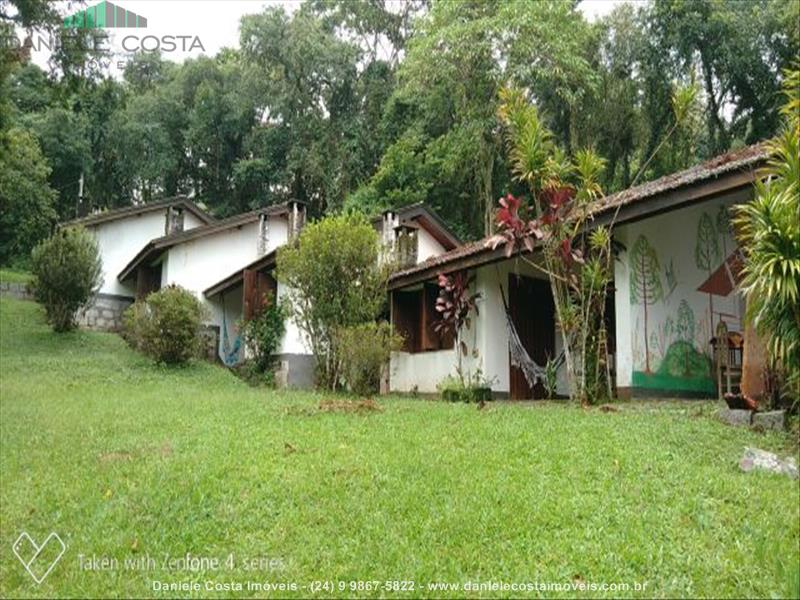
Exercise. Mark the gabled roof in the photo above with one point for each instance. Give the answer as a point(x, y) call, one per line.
point(422, 215)
point(140, 209)
point(265, 262)
point(415, 215)
point(155, 247)
point(727, 173)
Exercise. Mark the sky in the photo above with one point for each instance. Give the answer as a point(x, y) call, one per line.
point(214, 23)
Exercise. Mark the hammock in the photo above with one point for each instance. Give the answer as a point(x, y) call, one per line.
point(519, 356)
point(230, 355)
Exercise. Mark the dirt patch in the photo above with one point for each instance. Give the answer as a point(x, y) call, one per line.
point(335, 405)
point(116, 456)
point(367, 405)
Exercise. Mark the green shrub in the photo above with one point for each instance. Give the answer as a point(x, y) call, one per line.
point(262, 335)
point(67, 273)
point(364, 351)
point(334, 281)
point(472, 387)
point(166, 325)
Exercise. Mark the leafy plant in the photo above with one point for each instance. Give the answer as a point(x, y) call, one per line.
point(334, 281)
point(262, 335)
point(454, 304)
point(365, 351)
point(27, 202)
point(577, 256)
point(67, 273)
point(469, 387)
point(768, 229)
point(166, 325)
point(550, 378)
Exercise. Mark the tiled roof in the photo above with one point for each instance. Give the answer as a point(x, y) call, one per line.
point(139, 209)
point(745, 158)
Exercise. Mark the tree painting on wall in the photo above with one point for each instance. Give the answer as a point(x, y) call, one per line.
point(707, 254)
point(645, 283)
point(684, 329)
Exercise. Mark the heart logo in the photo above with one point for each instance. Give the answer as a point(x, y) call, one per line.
point(39, 559)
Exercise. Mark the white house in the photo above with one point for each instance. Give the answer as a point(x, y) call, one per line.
point(675, 282)
point(416, 232)
point(120, 234)
point(229, 265)
point(198, 258)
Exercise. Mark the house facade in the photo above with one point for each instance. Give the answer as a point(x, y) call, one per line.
point(675, 282)
point(412, 234)
point(199, 258)
point(120, 234)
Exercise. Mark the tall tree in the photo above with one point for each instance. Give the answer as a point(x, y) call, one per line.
point(443, 115)
point(305, 78)
point(27, 202)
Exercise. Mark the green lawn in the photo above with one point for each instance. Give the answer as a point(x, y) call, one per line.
point(15, 276)
point(125, 460)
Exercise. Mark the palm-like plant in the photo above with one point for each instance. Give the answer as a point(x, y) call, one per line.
point(768, 229)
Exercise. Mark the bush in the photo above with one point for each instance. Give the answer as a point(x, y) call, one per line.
point(473, 387)
point(364, 350)
point(262, 335)
point(166, 325)
point(334, 281)
point(67, 273)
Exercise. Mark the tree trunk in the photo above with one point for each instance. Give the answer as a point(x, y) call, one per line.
point(754, 363)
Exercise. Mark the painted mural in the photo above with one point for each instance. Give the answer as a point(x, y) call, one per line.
point(673, 264)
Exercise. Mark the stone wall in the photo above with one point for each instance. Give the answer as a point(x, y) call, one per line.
point(19, 291)
point(105, 313)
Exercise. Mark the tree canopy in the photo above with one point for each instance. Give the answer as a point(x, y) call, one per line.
point(358, 106)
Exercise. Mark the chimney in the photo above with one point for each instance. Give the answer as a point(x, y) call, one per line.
point(297, 218)
point(263, 234)
point(406, 244)
point(174, 220)
point(390, 222)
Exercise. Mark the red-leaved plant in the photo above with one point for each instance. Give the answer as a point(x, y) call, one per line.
point(455, 303)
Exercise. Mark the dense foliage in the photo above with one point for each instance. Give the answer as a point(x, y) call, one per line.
point(166, 325)
point(370, 104)
point(67, 273)
point(262, 334)
point(769, 233)
point(334, 281)
point(365, 352)
point(27, 211)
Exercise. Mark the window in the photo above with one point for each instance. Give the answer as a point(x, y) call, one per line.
point(414, 316)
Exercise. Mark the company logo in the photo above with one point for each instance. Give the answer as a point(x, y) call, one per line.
point(37, 559)
point(102, 15)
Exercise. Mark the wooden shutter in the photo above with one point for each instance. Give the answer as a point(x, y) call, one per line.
point(256, 286)
point(430, 338)
point(407, 318)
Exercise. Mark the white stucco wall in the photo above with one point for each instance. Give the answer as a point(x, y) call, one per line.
point(190, 221)
point(119, 241)
point(677, 312)
point(198, 264)
point(427, 245)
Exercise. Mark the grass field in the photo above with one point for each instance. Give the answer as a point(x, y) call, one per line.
point(14, 276)
point(127, 461)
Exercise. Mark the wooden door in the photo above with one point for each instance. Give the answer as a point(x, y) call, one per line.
point(533, 313)
point(148, 280)
point(257, 285)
